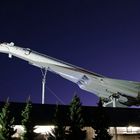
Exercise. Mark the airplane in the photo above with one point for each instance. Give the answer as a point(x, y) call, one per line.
point(112, 92)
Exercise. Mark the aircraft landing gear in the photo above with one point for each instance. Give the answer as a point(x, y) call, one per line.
point(113, 101)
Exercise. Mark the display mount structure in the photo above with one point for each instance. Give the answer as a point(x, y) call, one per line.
point(44, 74)
point(113, 92)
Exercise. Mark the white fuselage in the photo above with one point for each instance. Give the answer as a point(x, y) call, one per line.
point(101, 86)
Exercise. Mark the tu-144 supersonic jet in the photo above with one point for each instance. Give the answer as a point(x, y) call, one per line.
point(113, 92)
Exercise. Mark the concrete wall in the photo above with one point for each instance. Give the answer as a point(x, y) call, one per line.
point(127, 137)
point(91, 133)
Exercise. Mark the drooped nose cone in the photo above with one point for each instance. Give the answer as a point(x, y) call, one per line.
point(5, 47)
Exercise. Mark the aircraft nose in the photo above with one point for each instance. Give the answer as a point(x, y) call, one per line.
point(3, 48)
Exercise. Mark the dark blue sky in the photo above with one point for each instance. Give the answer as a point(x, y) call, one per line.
point(101, 36)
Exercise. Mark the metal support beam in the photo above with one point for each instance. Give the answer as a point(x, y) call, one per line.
point(44, 72)
point(113, 101)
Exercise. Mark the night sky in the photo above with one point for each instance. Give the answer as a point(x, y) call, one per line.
point(100, 36)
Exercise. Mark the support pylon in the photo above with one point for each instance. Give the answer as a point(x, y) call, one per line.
point(44, 72)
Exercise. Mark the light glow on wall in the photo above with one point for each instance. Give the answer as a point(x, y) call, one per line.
point(43, 129)
point(125, 130)
point(38, 129)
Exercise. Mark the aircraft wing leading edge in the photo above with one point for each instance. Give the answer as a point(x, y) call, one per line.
point(128, 92)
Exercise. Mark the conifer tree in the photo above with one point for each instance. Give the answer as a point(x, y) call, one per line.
point(76, 120)
point(58, 133)
point(100, 124)
point(27, 122)
point(6, 123)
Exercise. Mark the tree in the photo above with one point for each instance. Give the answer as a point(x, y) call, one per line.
point(27, 122)
point(100, 124)
point(7, 123)
point(58, 133)
point(76, 120)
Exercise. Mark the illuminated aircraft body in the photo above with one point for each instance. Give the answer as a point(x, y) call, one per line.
point(113, 92)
